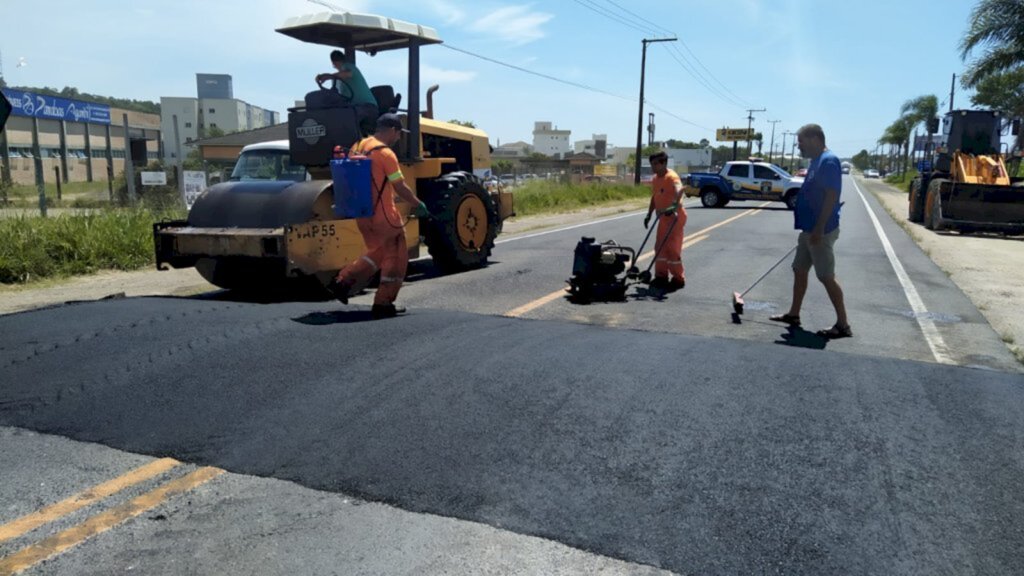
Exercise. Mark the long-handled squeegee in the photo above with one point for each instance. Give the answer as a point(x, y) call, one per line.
point(737, 298)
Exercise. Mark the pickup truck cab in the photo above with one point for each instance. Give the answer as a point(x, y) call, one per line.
point(744, 180)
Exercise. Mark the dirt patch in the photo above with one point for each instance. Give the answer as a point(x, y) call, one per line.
point(989, 269)
point(187, 282)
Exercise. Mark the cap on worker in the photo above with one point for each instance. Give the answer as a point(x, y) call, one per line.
point(390, 120)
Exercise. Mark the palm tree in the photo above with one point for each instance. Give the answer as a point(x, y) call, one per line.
point(998, 27)
point(898, 134)
point(921, 109)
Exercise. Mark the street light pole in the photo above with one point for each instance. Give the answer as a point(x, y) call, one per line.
point(640, 114)
point(771, 147)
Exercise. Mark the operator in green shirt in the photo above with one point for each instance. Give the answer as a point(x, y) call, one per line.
point(349, 82)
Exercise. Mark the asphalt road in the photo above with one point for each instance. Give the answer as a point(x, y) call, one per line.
point(499, 428)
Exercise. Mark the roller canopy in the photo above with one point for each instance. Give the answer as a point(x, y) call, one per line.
point(256, 204)
point(364, 32)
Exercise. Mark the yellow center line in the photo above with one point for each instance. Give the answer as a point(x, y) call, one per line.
point(30, 522)
point(36, 553)
point(696, 237)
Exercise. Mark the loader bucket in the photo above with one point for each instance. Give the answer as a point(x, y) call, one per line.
point(982, 206)
point(270, 204)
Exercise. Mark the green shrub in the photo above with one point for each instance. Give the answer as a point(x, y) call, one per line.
point(32, 247)
point(539, 197)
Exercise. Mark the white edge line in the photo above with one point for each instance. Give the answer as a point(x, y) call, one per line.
point(591, 223)
point(928, 328)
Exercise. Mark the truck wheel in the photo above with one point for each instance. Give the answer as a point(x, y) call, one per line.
point(790, 199)
point(461, 234)
point(710, 198)
point(915, 213)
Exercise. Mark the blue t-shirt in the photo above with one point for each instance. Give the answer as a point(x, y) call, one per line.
point(824, 172)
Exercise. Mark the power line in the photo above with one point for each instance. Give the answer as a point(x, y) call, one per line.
point(573, 84)
point(594, 7)
point(676, 55)
point(657, 27)
point(545, 76)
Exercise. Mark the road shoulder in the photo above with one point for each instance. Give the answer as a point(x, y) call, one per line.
point(989, 269)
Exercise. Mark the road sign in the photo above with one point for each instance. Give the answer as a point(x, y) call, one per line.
point(5, 110)
point(604, 170)
point(195, 183)
point(154, 178)
point(734, 134)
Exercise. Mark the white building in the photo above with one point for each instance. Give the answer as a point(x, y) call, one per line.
point(196, 116)
point(512, 151)
point(549, 140)
point(598, 146)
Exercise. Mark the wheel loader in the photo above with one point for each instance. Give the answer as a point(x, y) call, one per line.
point(262, 234)
point(968, 187)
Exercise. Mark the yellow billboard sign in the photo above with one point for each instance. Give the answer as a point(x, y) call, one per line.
point(734, 134)
point(604, 170)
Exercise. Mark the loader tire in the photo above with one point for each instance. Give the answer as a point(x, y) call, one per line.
point(915, 213)
point(933, 202)
point(460, 235)
point(936, 222)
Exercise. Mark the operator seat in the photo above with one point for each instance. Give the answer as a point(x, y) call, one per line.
point(387, 100)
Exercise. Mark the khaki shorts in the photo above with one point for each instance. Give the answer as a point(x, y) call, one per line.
point(822, 256)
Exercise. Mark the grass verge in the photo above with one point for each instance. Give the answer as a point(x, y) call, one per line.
point(34, 248)
point(550, 197)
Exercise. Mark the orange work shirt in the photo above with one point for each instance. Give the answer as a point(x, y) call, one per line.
point(664, 190)
point(384, 171)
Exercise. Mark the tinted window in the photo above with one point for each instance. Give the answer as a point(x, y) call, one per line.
point(765, 173)
point(739, 170)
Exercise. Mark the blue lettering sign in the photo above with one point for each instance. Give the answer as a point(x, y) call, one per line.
point(53, 108)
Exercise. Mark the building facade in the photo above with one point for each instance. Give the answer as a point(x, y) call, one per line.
point(550, 141)
point(197, 116)
point(83, 141)
point(597, 146)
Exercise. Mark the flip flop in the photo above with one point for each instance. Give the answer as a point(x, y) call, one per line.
point(836, 332)
point(786, 319)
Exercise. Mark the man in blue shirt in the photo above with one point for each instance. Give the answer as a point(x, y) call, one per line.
point(349, 82)
point(817, 218)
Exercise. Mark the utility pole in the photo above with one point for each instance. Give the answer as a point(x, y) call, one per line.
point(771, 147)
point(750, 124)
point(640, 114)
point(782, 151)
point(952, 90)
point(650, 129)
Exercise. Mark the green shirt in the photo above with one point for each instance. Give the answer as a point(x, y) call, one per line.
point(355, 88)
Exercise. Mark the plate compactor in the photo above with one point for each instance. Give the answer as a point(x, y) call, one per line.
point(599, 269)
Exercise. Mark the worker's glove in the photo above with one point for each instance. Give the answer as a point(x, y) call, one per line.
point(421, 211)
point(647, 221)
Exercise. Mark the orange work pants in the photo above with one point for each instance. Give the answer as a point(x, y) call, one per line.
point(386, 250)
point(670, 246)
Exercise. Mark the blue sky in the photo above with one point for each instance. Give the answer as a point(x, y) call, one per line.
point(845, 65)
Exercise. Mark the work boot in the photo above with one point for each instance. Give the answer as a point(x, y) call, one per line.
point(676, 284)
point(339, 290)
point(380, 311)
point(659, 283)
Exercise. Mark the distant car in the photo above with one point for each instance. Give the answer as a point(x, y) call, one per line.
point(594, 179)
point(846, 169)
point(871, 173)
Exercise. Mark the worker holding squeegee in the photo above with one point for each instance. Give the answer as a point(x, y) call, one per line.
point(666, 199)
point(817, 218)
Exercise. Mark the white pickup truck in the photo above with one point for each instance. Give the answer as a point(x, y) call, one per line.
point(744, 180)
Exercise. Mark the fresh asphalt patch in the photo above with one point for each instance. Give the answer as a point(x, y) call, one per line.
point(699, 455)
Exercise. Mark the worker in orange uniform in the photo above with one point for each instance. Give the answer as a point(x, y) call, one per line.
point(384, 232)
point(666, 199)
